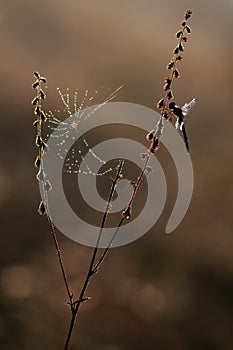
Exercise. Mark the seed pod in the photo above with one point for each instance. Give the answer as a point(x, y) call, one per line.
point(178, 34)
point(35, 84)
point(176, 74)
point(185, 39)
point(188, 14)
point(43, 79)
point(188, 29)
point(170, 65)
point(43, 116)
point(42, 94)
point(41, 209)
point(37, 75)
point(160, 103)
point(150, 135)
point(35, 123)
point(183, 23)
point(179, 58)
point(154, 145)
point(181, 47)
point(170, 95)
point(35, 101)
point(127, 213)
point(39, 141)
point(176, 50)
point(37, 162)
point(37, 110)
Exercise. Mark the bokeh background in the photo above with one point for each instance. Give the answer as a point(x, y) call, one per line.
point(163, 291)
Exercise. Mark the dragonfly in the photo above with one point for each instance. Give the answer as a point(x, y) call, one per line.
point(181, 114)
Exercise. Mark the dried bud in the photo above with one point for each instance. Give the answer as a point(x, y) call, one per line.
point(48, 186)
point(35, 84)
point(188, 14)
point(150, 135)
point(39, 141)
point(188, 29)
point(37, 75)
point(160, 104)
point(35, 123)
point(176, 74)
point(170, 95)
point(176, 50)
point(127, 213)
point(172, 105)
point(185, 39)
point(35, 101)
point(179, 58)
point(37, 110)
point(183, 23)
point(154, 145)
point(42, 94)
point(37, 162)
point(42, 208)
point(43, 79)
point(181, 47)
point(178, 34)
point(43, 116)
point(167, 84)
point(170, 65)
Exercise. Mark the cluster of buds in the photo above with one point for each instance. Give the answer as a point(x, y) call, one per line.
point(163, 104)
point(40, 143)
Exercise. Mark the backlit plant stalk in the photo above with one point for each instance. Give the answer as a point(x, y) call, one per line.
point(41, 176)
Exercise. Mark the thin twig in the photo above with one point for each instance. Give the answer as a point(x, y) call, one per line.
point(91, 269)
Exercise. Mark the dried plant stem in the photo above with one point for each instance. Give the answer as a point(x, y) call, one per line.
point(92, 270)
point(43, 208)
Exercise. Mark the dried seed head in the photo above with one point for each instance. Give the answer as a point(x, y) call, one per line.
point(41, 209)
point(35, 101)
point(188, 29)
point(179, 58)
point(160, 104)
point(42, 94)
point(154, 145)
point(37, 110)
point(188, 14)
point(43, 79)
point(170, 95)
point(183, 23)
point(167, 84)
point(150, 135)
point(178, 34)
point(176, 74)
point(172, 105)
point(127, 213)
point(181, 47)
point(39, 141)
point(170, 65)
point(35, 123)
point(176, 51)
point(35, 84)
point(37, 162)
point(185, 39)
point(37, 75)
point(43, 116)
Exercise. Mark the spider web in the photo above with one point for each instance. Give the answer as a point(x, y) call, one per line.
point(75, 155)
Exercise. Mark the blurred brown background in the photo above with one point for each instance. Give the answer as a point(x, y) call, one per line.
point(163, 291)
